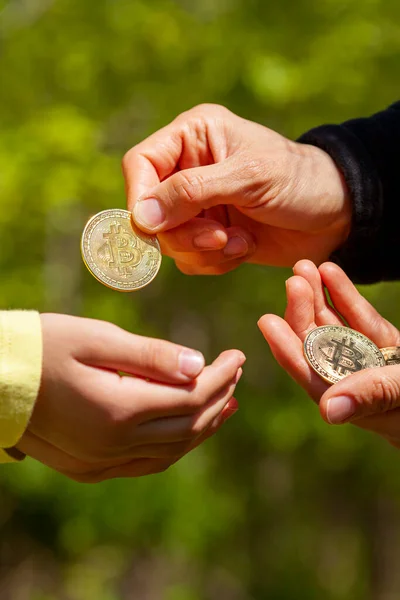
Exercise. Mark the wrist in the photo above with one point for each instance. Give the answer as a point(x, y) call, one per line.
point(358, 254)
point(330, 190)
point(20, 369)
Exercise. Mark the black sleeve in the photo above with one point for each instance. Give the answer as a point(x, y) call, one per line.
point(367, 151)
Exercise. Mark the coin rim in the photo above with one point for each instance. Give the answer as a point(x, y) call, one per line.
point(322, 372)
point(125, 214)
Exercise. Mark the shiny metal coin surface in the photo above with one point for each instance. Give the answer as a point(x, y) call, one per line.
point(118, 254)
point(391, 355)
point(334, 352)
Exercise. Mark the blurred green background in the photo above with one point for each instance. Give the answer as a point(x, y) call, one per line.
point(278, 506)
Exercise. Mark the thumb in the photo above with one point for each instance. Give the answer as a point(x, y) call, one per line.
point(185, 194)
point(363, 394)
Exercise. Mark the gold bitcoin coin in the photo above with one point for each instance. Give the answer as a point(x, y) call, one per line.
point(334, 352)
point(118, 254)
point(391, 354)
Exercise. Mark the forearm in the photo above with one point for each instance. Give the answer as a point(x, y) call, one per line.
point(367, 152)
point(20, 372)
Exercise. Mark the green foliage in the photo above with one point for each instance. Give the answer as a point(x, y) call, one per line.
point(278, 505)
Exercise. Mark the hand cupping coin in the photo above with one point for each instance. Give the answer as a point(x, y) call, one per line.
point(335, 352)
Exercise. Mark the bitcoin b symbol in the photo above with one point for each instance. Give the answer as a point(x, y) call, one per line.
point(121, 250)
point(344, 357)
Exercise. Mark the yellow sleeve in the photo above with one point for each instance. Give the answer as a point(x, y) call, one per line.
point(20, 373)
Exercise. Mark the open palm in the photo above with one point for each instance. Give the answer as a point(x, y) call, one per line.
point(372, 395)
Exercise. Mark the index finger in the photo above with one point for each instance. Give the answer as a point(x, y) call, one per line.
point(153, 400)
point(145, 165)
point(111, 347)
point(183, 144)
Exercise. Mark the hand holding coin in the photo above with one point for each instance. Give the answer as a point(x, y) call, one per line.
point(345, 339)
point(117, 254)
point(335, 352)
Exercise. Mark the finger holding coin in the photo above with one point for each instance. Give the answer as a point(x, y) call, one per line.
point(117, 253)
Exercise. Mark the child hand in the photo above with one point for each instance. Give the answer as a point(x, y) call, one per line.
point(91, 423)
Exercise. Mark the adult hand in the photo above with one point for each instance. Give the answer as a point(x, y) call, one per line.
point(370, 398)
point(220, 190)
point(91, 423)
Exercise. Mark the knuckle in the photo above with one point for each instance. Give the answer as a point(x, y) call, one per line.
point(196, 398)
point(391, 391)
point(127, 158)
point(190, 404)
point(150, 352)
point(252, 178)
point(208, 109)
point(384, 393)
point(106, 332)
point(188, 186)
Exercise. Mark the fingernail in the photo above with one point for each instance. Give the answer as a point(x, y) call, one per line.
point(236, 246)
point(241, 358)
point(191, 363)
point(238, 375)
point(208, 240)
point(149, 213)
point(340, 409)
